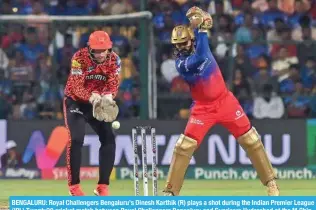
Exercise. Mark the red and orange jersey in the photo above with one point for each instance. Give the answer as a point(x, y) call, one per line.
point(87, 76)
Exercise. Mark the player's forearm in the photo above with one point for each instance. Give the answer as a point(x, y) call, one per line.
point(202, 48)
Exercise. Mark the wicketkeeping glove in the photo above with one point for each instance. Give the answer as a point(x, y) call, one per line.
point(110, 108)
point(106, 110)
point(95, 100)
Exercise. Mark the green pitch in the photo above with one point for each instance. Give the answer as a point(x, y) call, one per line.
point(125, 187)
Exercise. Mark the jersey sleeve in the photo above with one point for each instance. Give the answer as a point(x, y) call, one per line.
point(194, 63)
point(77, 79)
point(113, 79)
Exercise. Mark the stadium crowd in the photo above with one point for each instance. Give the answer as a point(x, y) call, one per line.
point(266, 50)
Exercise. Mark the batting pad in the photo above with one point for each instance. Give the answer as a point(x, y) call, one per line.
point(182, 155)
point(254, 148)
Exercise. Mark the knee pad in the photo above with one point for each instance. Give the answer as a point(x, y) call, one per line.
point(185, 146)
point(254, 148)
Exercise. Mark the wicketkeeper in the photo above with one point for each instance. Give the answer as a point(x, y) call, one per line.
point(89, 98)
point(213, 104)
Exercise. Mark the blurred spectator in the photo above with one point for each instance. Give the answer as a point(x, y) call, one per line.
point(297, 104)
point(21, 70)
point(243, 33)
point(31, 49)
point(290, 47)
point(275, 34)
point(22, 74)
point(304, 22)
point(11, 159)
point(223, 34)
point(260, 5)
point(264, 78)
point(287, 86)
point(280, 66)
point(6, 8)
point(240, 84)
point(41, 24)
point(115, 7)
point(273, 12)
point(24, 7)
point(308, 48)
point(268, 105)
point(298, 11)
point(63, 32)
point(245, 8)
point(243, 62)
point(242, 90)
point(4, 63)
point(308, 74)
point(65, 53)
point(257, 47)
point(294, 6)
point(120, 41)
point(28, 107)
point(168, 67)
point(128, 73)
point(218, 8)
point(12, 37)
point(5, 106)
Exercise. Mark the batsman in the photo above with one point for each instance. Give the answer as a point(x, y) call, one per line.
point(89, 98)
point(213, 104)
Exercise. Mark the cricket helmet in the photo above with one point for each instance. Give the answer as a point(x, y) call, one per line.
point(181, 34)
point(99, 40)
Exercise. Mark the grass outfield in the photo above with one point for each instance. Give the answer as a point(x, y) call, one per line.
point(125, 187)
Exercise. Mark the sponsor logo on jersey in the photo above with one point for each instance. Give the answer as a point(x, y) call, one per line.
point(76, 110)
point(90, 69)
point(239, 114)
point(196, 121)
point(76, 71)
point(75, 64)
point(96, 77)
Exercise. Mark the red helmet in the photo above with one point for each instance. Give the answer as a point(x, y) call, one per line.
point(100, 40)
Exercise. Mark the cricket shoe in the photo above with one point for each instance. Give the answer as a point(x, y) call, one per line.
point(75, 190)
point(102, 190)
point(273, 189)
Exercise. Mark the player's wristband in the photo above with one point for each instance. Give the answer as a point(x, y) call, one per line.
point(203, 30)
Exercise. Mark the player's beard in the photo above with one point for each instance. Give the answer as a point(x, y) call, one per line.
point(186, 51)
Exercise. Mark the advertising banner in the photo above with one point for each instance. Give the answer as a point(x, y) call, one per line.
point(86, 173)
point(42, 144)
point(20, 173)
point(209, 173)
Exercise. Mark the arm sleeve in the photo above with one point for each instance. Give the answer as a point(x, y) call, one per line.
point(113, 80)
point(77, 80)
point(201, 55)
